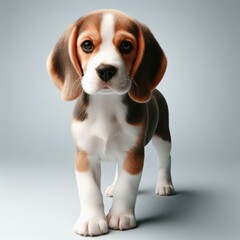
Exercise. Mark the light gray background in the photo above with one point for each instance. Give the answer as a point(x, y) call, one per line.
point(38, 194)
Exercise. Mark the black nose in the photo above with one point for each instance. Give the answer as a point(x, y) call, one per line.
point(106, 72)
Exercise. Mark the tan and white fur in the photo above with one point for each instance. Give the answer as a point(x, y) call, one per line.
point(112, 64)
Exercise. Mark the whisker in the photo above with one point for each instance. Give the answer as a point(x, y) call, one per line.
point(135, 88)
point(134, 82)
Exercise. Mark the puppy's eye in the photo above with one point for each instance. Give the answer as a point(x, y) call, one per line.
point(87, 46)
point(125, 47)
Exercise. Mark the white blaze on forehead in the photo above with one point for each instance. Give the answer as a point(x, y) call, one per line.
point(107, 32)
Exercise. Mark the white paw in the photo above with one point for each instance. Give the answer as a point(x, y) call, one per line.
point(109, 191)
point(121, 221)
point(92, 227)
point(165, 190)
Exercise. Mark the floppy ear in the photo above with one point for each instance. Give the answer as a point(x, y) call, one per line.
point(64, 66)
point(149, 67)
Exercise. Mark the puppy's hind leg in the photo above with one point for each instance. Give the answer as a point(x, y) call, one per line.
point(164, 182)
point(110, 189)
point(162, 142)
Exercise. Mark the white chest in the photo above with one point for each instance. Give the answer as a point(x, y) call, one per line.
point(105, 134)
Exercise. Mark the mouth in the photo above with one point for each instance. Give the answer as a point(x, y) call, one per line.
point(109, 90)
point(106, 87)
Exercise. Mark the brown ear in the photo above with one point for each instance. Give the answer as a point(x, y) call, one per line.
point(149, 66)
point(64, 67)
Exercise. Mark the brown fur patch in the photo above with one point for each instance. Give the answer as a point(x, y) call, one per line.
point(81, 163)
point(89, 30)
point(153, 117)
point(162, 129)
point(130, 57)
point(136, 112)
point(134, 160)
point(60, 65)
point(80, 109)
point(149, 66)
point(126, 30)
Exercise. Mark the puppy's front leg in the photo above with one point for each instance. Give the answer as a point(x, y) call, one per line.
point(92, 220)
point(121, 215)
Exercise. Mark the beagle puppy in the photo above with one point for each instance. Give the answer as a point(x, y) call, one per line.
point(111, 64)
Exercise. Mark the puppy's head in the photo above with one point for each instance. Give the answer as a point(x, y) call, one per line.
point(107, 52)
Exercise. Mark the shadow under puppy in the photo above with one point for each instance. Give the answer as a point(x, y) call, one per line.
point(112, 64)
